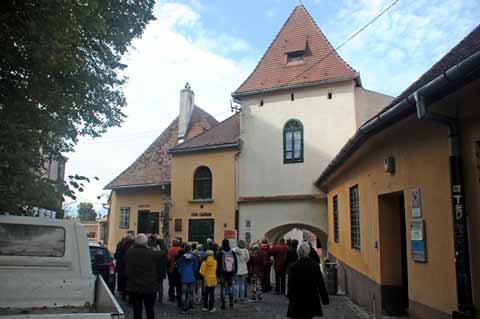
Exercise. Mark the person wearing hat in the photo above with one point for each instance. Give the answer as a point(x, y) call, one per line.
point(142, 282)
point(242, 270)
point(187, 267)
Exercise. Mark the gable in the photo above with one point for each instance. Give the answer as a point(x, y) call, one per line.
point(320, 62)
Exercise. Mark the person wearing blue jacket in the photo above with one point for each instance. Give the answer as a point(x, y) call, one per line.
point(187, 268)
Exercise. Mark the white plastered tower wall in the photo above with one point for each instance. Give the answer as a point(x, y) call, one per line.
point(330, 115)
point(327, 124)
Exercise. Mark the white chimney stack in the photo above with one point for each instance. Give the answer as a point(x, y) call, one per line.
point(186, 109)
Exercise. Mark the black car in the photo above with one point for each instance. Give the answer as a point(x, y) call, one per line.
point(102, 264)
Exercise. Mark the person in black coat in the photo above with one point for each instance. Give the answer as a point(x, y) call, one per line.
point(305, 287)
point(120, 252)
point(142, 282)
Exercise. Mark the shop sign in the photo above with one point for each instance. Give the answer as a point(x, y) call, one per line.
point(230, 234)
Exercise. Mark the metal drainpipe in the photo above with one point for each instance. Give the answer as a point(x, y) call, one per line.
point(460, 225)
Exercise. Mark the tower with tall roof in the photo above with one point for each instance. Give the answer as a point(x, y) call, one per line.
point(300, 104)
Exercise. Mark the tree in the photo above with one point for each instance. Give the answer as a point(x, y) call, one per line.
point(60, 78)
point(86, 213)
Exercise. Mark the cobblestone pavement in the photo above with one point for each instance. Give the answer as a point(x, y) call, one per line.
point(272, 307)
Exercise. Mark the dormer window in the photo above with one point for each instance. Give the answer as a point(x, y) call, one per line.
point(296, 56)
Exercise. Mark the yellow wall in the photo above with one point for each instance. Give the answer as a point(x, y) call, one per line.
point(420, 149)
point(222, 208)
point(137, 199)
point(470, 134)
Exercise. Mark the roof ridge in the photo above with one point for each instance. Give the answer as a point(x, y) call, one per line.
point(268, 48)
point(207, 131)
point(273, 69)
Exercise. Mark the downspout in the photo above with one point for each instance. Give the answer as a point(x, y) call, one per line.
point(459, 214)
point(237, 180)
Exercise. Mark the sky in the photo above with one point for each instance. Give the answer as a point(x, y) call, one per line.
point(215, 44)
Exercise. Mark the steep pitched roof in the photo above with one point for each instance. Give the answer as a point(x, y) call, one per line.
point(153, 166)
point(224, 135)
point(467, 49)
point(298, 33)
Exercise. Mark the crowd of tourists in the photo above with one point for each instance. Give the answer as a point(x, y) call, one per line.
point(194, 271)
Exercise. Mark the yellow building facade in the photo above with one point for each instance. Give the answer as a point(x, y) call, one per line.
point(135, 210)
point(396, 208)
point(204, 185)
point(194, 220)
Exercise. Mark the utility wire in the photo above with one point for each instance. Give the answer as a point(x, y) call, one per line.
point(344, 42)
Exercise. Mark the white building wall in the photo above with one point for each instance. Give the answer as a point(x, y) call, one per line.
point(327, 125)
point(265, 216)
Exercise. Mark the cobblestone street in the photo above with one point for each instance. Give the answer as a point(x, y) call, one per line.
point(272, 307)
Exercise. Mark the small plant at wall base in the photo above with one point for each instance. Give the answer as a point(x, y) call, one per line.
point(59, 80)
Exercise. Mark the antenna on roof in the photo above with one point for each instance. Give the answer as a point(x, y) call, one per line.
point(235, 108)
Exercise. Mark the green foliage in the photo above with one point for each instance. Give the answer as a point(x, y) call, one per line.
point(86, 213)
point(59, 79)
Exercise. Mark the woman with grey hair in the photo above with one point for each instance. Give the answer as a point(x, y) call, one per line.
point(305, 287)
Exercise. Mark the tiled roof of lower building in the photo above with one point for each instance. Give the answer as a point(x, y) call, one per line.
point(225, 134)
point(153, 166)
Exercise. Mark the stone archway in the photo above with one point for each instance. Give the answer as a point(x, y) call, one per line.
point(275, 234)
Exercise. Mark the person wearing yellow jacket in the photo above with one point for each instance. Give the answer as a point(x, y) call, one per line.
point(208, 270)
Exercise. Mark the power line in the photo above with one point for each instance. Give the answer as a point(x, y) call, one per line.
point(344, 42)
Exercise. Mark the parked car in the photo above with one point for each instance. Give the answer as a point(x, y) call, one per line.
point(102, 264)
point(45, 272)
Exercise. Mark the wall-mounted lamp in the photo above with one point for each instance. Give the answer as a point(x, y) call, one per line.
point(389, 164)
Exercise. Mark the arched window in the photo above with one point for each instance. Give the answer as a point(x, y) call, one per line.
point(293, 142)
point(202, 183)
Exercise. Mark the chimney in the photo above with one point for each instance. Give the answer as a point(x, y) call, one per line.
point(186, 109)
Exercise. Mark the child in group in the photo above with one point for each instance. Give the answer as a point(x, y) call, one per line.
point(208, 270)
point(255, 269)
point(187, 266)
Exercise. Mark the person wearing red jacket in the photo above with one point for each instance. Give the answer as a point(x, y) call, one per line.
point(267, 264)
point(172, 280)
point(279, 253)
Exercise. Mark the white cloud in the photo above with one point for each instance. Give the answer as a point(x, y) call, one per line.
point(407, 39)
point(174, 49)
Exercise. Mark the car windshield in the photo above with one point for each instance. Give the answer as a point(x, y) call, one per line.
point(101, 253)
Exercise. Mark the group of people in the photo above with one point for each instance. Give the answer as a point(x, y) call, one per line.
point(195, 270)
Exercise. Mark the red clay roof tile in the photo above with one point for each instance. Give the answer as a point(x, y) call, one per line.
point(299, 32)
point(153, 166)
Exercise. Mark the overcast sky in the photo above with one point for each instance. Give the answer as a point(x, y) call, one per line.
point(215, 44)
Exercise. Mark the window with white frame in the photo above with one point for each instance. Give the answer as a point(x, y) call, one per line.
point(124, 217)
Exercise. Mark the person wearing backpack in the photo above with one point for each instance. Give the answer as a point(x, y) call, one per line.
point(226, 271)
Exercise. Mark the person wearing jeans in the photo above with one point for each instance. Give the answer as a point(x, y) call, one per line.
point(242, 270)
point(187, 267)
point(226, 270)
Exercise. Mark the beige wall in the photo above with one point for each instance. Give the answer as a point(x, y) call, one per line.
point(368, 104)
point(137, 199)
point(420, 149)
point(265, 216)
point(327, 124)
point(470, 134)
point(222, 207)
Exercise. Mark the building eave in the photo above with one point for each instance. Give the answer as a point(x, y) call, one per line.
point(237, 94)
point(440, 86)
point(205, 148)
point(121, 187)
